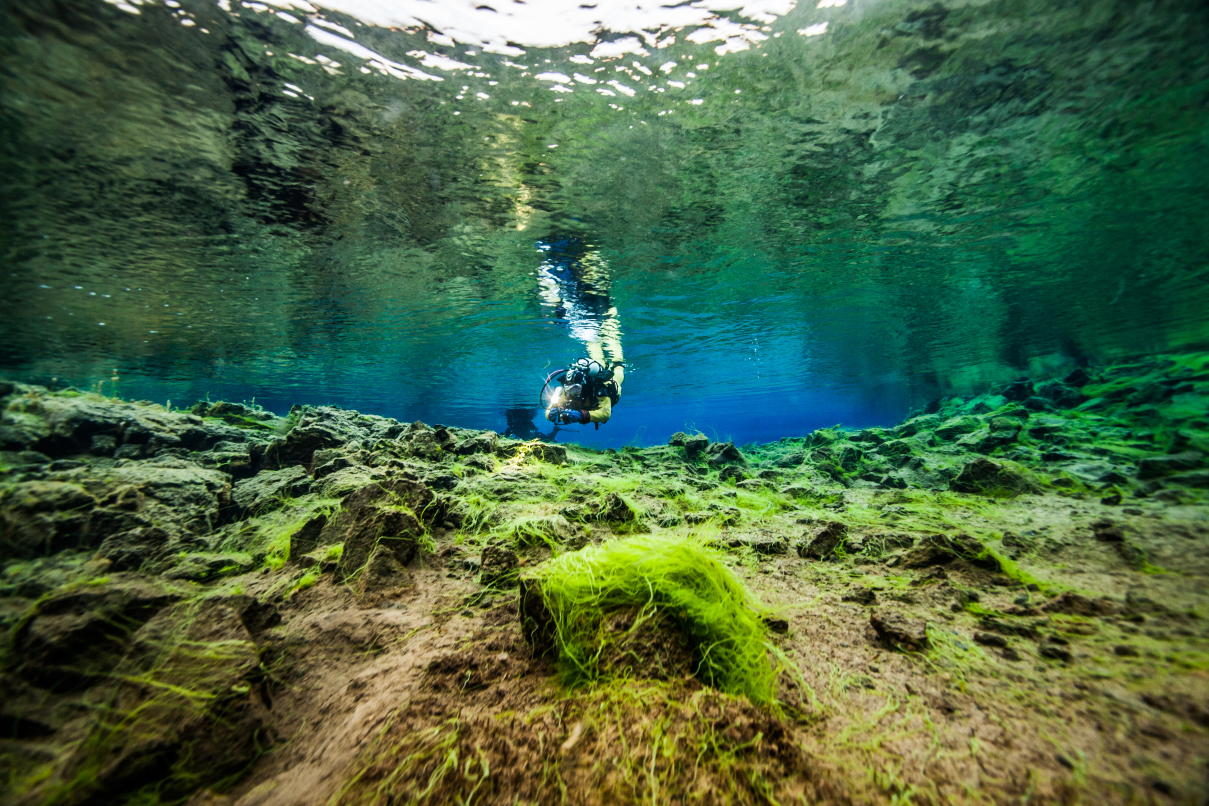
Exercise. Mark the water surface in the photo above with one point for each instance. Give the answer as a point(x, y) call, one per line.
point(792, 225)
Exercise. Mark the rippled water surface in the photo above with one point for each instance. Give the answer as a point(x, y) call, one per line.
point(782, 216)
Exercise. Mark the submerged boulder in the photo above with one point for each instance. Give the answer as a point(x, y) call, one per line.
point(1158, 466)
point(721, 453)
point(188, 714)
point(74, 638)
point(388, 514)
point(269, 488)
point(941, 549)
point(896, 631)
point(823, 542)
point(984, 477)
point(498, 566)
point(696, 445)
point(39, 518)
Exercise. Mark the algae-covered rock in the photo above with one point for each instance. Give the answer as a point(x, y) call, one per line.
point(612, 509)
point(761, 544)
point(823, 542)
point(308, 537)
point(731, 473)
point(269, 487)
point(984, 477)
point(483, 442)
point(1158, 466)
point(823, 437)
point(39, 518)
point(696, 445)
point(191, 719)
point(939, 549)
point(896, 631)
point(1198, 479)
point(202, 566)
point(346, 481)
point(378, 515)
point(73, 638)
point(127, 551)
point(498, 566)
point(957, 426)
point(381, 570)
point(721, 453)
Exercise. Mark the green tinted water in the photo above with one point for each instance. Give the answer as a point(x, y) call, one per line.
point(923, 198)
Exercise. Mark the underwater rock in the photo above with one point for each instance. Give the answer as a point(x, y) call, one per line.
point(939, 549)
point(957, 426)
point(1018, 390)
point(364, 527)
point(761, 544)
point(1134, 555)
point(341, 483)
point(380, 512)
point(328, 461)
point(823, 437)
point(202, 566)
point(915, 425)
point(195, 714)
point(423, 445)
point(498, 566)
point(382, 570)
point(720, 453)
point(320, 427)
point(896, 631)
point(269, 487)
point(732, 473)
point(1061, 394)
point(823, 543)
point(1108, 532)
point(861, 596)
point(483, 442)
point(127, 551)
point(1054, 652)
point(39, 518)
point(1198, 479)
point(552, 528)
point(990, 639)
point(1158, 466)
point(872, 436)
point(612, 509)
point(73, 638)
point(1077, 605)
point(644, 646)
point(1037, 404)
point(984, 477)
point(307, 538)
point(696, 445)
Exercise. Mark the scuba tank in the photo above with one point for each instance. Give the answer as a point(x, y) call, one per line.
point(579, 386)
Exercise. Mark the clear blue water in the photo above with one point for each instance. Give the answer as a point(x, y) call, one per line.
point(921, 200)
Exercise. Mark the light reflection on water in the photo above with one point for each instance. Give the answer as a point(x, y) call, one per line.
point(913, 203)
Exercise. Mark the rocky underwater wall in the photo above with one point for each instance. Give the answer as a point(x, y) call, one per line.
point(220, 605)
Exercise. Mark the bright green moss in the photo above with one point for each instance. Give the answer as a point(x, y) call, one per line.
point(682, 578)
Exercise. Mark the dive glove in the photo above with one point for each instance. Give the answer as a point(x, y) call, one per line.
point(566, 416)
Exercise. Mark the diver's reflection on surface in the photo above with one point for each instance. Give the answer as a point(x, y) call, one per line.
point(573, 281)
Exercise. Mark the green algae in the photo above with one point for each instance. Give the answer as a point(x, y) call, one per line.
point(713, 608)
point(623, 741)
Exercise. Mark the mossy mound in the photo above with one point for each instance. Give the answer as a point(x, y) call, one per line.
point(566, 601)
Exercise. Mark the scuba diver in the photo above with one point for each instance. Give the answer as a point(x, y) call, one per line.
point(585, 392)
point(574, 283)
